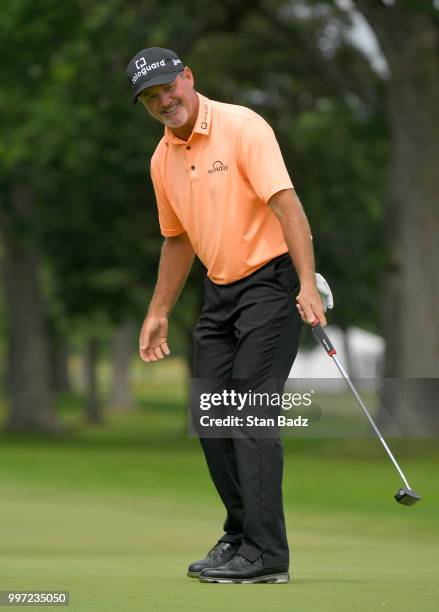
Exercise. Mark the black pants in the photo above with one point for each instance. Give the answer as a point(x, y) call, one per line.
point(250, 330)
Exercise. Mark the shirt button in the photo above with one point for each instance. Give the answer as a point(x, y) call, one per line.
point(188, 147)
point(192, 167)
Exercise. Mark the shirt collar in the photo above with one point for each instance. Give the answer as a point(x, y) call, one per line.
point(202, 124)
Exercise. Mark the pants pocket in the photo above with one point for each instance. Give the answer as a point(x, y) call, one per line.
point(286, 276)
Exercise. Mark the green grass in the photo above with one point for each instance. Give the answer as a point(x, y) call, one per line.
point(114, 514)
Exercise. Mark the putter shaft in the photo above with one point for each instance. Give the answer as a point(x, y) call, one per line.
point(371, 421)
point(327, 345)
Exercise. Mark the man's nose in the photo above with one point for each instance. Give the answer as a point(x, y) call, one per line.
point(165, 99)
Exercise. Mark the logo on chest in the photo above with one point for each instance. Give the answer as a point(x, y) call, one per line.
point(218, 166)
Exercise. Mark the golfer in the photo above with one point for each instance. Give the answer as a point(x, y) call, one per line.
point(224, 194)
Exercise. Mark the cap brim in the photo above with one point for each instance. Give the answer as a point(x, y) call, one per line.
point(161, 79)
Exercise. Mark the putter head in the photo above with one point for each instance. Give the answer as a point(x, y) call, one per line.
point(407, 497)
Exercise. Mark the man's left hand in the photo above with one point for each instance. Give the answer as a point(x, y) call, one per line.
point(309, 304)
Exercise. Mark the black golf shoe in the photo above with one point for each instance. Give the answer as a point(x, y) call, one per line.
point(239, 569)
point(218, 555)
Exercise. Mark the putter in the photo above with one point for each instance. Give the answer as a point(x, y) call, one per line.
point(405, 495)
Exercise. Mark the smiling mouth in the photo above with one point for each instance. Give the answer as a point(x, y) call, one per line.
point(171, 110)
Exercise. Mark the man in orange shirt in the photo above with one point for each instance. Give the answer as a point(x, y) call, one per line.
point(224, 194)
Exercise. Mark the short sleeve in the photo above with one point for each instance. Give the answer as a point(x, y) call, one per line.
point(261, 160)
point(170, 224)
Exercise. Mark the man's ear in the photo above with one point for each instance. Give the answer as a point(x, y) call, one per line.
point(188, 74)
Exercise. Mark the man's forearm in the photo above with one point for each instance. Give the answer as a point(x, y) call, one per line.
point(287, 207)
point(176, 260)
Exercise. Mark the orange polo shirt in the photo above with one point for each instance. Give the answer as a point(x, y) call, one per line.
point(215, 187)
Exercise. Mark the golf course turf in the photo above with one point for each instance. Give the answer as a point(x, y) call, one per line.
point(115, 514)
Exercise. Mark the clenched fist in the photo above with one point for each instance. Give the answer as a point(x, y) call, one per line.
point(310, 305)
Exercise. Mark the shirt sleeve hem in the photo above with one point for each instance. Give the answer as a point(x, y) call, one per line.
point(169, 233)
point(278, 188)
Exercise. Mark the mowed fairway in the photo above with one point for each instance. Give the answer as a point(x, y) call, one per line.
point(115, 516)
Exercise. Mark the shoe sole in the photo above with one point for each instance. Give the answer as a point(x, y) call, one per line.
point(193, 574)
point(269, 579)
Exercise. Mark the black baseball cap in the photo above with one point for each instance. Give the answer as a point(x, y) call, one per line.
point(153, 66)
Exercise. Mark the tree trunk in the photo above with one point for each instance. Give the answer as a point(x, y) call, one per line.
point(409, 38)
point(412, 328)
point(123, 346)
point(28, 366)
point(59, 354)
point(93, 413)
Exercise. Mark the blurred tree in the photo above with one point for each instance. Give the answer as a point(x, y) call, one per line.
point(408, 34)
point(96, 213)
point(124, 338)
point(26, 43)
point(28, 376)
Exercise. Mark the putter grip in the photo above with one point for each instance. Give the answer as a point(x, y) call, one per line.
point(321, 336)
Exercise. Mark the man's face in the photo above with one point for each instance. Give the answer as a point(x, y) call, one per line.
point(173, 104)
